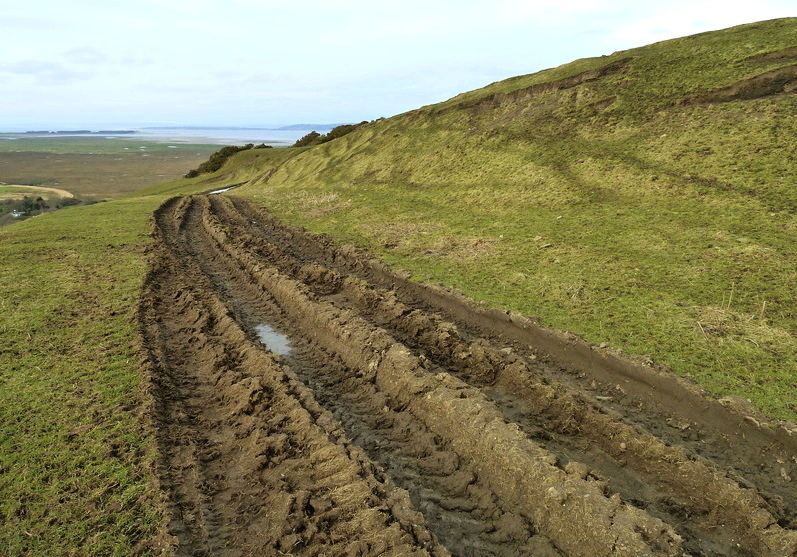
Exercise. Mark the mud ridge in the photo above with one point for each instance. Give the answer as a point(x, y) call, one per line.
point(250, 463)
point(464, 512)
point(549, 497)
point(668, 481)
point(408, 420)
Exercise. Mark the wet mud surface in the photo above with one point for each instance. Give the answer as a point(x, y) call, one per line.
point(310, 401)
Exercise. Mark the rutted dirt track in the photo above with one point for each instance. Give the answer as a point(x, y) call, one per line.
point(407, 421)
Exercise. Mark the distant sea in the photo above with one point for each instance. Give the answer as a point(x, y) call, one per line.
point(221, 136)
point(212, 135)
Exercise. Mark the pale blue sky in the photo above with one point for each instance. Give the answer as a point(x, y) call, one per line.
point(260, 62)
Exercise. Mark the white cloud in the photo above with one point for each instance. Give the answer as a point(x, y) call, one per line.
point(303, 58)
point(46, 72)
point(680, 18)
point(85, 55)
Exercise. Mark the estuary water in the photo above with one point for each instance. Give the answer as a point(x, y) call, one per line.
point(184, 135)
point(221, 136)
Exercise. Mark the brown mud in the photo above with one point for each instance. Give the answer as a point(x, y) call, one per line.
point(408, 420)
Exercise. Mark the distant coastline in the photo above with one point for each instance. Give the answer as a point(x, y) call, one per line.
point(215, 135)
point(292, 127)
point(72, 132)
point(232, 135)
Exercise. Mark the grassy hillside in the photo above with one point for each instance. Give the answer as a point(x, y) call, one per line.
point(644, 199)
point(73, 446)
point(614, 197)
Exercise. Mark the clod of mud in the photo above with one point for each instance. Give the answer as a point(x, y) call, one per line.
point(461, 442)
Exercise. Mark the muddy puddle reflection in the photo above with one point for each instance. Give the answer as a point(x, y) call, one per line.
point(274, 341)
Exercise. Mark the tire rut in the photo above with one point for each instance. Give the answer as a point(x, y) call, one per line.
point(250, 463)
point(463, 513)
point(475, 443)
point(701, 499)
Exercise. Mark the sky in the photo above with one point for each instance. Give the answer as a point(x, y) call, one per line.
point(85, 63)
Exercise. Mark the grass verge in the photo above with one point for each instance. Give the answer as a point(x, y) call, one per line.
point(73, 450)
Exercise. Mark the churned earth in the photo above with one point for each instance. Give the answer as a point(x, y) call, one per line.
point(310, 401)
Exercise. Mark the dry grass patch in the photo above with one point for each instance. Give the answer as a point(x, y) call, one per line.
point(723, 323)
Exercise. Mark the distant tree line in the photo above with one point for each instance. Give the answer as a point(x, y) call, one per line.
point(218, 158)
point(315, 138)
point(12, 210)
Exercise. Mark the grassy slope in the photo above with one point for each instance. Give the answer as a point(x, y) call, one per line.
point(656, 232)
point(75, 451)
point(73, 476)
point(661, 227)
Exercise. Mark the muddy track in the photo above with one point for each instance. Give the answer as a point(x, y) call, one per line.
point(407, 420)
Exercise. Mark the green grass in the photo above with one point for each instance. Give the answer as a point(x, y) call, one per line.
point(661, 227)
point(11, 190)
point(75, 449)
point(74, 478)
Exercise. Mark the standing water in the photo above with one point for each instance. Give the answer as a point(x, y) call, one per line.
point(274, 341)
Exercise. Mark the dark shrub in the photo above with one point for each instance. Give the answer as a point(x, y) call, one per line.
point(217, 160)
point(315, 138)
point(309, 139)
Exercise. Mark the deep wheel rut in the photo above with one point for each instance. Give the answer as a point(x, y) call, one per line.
point(406, 420)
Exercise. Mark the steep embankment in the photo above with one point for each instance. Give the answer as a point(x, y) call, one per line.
point(642, 199)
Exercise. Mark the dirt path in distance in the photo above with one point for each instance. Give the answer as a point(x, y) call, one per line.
point(33, 189)
point(408, 421)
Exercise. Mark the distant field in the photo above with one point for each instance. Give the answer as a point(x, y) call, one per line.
point(9, 191)
point(96, 167)
point(18, 192)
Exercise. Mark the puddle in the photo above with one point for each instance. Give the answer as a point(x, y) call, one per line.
point(274, 341)
point(220, 191)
